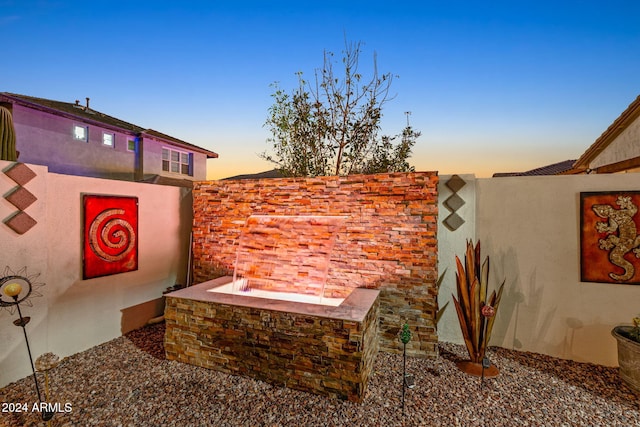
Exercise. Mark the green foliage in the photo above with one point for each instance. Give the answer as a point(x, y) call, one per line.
point(7, 136)
point(332, 126)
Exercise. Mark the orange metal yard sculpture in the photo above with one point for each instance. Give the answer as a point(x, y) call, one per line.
point(475, 312)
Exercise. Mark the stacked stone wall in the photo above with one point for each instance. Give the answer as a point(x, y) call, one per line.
point(388, 242)
point(328, 356)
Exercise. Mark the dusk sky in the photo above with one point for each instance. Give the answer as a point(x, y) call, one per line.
point(500, 88)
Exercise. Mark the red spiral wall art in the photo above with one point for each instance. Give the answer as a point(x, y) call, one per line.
point(110, 235)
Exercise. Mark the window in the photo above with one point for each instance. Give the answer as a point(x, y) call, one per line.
point(81, 133)
point(108, 138)
point(131, 145)
point(176, 161)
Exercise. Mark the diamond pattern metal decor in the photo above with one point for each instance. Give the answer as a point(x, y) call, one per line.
point(21, 198)
point(454, 202)
point(20, 222)
point(455, 183)
point(453, 221)
point(20, 173)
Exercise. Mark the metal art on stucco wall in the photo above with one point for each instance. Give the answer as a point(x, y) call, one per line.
point(110, 235)
point(20, 222)
point(609, 239)
point(454, 202)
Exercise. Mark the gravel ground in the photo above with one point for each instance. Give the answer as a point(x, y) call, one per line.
point(127, 382)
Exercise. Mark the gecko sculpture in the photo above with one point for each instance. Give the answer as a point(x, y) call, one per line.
point(627, 238)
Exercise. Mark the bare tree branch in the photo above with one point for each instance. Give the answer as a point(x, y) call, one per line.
point(331, 127)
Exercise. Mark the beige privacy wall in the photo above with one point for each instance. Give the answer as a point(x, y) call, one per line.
point(388, 240)
point(530, 228)
point(73, 314)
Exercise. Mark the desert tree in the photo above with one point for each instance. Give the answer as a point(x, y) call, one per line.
point(331, 126)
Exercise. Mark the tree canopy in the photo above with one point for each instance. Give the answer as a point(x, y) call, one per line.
point(331, 125)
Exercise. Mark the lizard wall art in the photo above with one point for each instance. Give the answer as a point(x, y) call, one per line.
point(626, 240)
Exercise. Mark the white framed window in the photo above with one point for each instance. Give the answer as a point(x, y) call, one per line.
point(108, 139)
point(81, 133)
point(175, 161)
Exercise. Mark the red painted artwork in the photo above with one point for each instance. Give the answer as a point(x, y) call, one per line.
point(110, 235)
point(609, 239)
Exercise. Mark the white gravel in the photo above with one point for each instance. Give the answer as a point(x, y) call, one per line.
point(127, 382)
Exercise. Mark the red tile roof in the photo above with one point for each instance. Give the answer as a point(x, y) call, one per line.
point(553, 169)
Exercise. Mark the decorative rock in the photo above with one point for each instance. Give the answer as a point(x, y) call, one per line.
point(128, 382)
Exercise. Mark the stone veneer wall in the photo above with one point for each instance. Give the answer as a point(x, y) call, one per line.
point(388, 242)
point(304, 243)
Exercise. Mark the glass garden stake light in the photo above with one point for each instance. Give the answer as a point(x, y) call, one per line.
point(13, 290)
point(405, 337)
point(44, 364)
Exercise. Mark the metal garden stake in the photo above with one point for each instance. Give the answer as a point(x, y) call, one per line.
point(13, 290)
point(405, 337)
point(488, 312)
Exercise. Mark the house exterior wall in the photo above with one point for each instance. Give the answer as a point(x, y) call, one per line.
point(47, 139)
point(152, 160)
point(625, 146)
point(73, 314)
point(529, 227)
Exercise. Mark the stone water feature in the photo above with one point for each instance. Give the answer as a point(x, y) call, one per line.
point(274, 320)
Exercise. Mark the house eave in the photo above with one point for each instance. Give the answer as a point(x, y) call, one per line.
point(158, 136)
point(627, 117)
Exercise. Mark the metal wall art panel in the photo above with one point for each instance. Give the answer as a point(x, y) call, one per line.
point(110, 235)
point(609, 240)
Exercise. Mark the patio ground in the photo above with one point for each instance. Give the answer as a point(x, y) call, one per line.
point(127, 382)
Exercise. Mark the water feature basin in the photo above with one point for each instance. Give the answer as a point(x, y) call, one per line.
point(234, 288)
point(322, 349)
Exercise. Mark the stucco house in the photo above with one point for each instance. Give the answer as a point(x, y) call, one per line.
point(74, 139)
point(617, 149)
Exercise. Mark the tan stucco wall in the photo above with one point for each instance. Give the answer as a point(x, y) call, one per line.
point(530, 228)
point(72, 314)
point(450, 244)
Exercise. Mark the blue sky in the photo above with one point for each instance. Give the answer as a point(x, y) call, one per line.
point(508, 86)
